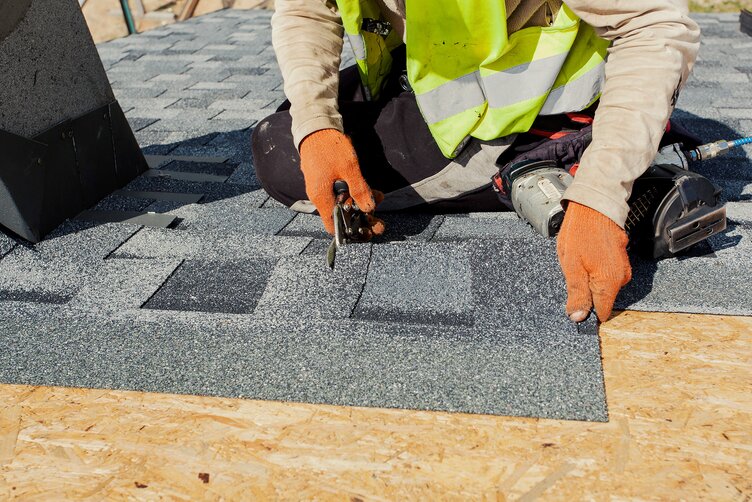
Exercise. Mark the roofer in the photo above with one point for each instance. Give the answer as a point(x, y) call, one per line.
point(442, 87)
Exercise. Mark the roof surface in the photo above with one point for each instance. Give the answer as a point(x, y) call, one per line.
point(460, 312)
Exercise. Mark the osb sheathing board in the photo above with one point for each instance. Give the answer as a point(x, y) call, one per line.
point(681, 428)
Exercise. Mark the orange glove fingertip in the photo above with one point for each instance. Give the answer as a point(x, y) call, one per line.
point(593, 257)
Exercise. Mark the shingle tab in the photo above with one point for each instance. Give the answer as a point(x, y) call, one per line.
point(60, 265)
point(418, 283)
point(6, 244)
point(232, 288)
point(304, 287)
point(122, 285)
point(415, 367)
point(709, 278)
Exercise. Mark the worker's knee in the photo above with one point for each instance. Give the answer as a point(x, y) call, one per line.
point(262, 143)
point(276, 159)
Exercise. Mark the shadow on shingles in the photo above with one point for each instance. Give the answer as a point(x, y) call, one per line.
point(729, 171)
point(234, 145)
point(644, 268)
point(401, 227)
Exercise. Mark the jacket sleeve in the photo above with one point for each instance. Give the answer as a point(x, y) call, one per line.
point(654, 46)
point(307, 39)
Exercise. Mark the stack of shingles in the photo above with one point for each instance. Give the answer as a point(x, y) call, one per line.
point(746, 22)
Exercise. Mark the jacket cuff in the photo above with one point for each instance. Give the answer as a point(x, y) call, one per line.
point(616, 210)
point(316, 123)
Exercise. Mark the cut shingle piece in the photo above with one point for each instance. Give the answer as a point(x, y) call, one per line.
point(232, 288)
point(418, 283)
point(304, 287)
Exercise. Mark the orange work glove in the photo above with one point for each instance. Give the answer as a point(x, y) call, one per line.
point(325, 157)
point(593, 256)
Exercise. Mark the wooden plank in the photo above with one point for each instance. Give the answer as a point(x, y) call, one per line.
point(188, 10)
point(681, 427)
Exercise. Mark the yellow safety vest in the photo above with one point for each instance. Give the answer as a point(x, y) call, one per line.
point(470, 77)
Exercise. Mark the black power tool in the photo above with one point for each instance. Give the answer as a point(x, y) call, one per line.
point(671, 207)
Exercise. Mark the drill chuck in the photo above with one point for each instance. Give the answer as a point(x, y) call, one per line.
point(537, 188)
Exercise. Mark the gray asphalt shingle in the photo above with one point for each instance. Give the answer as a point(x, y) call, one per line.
point(358, 364)
point(209, 245)
point(201, 286)
point(418, 283)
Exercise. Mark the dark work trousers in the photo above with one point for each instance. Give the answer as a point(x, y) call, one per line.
point(394, 146)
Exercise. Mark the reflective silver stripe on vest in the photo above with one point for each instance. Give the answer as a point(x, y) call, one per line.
point(500, 89)
point(451, 98)
point(358, 46)
point(575, 95)
point(523, 82)
point(511, 86)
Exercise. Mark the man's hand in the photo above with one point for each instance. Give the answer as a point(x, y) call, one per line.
point(593, 256)
point(325, 157)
